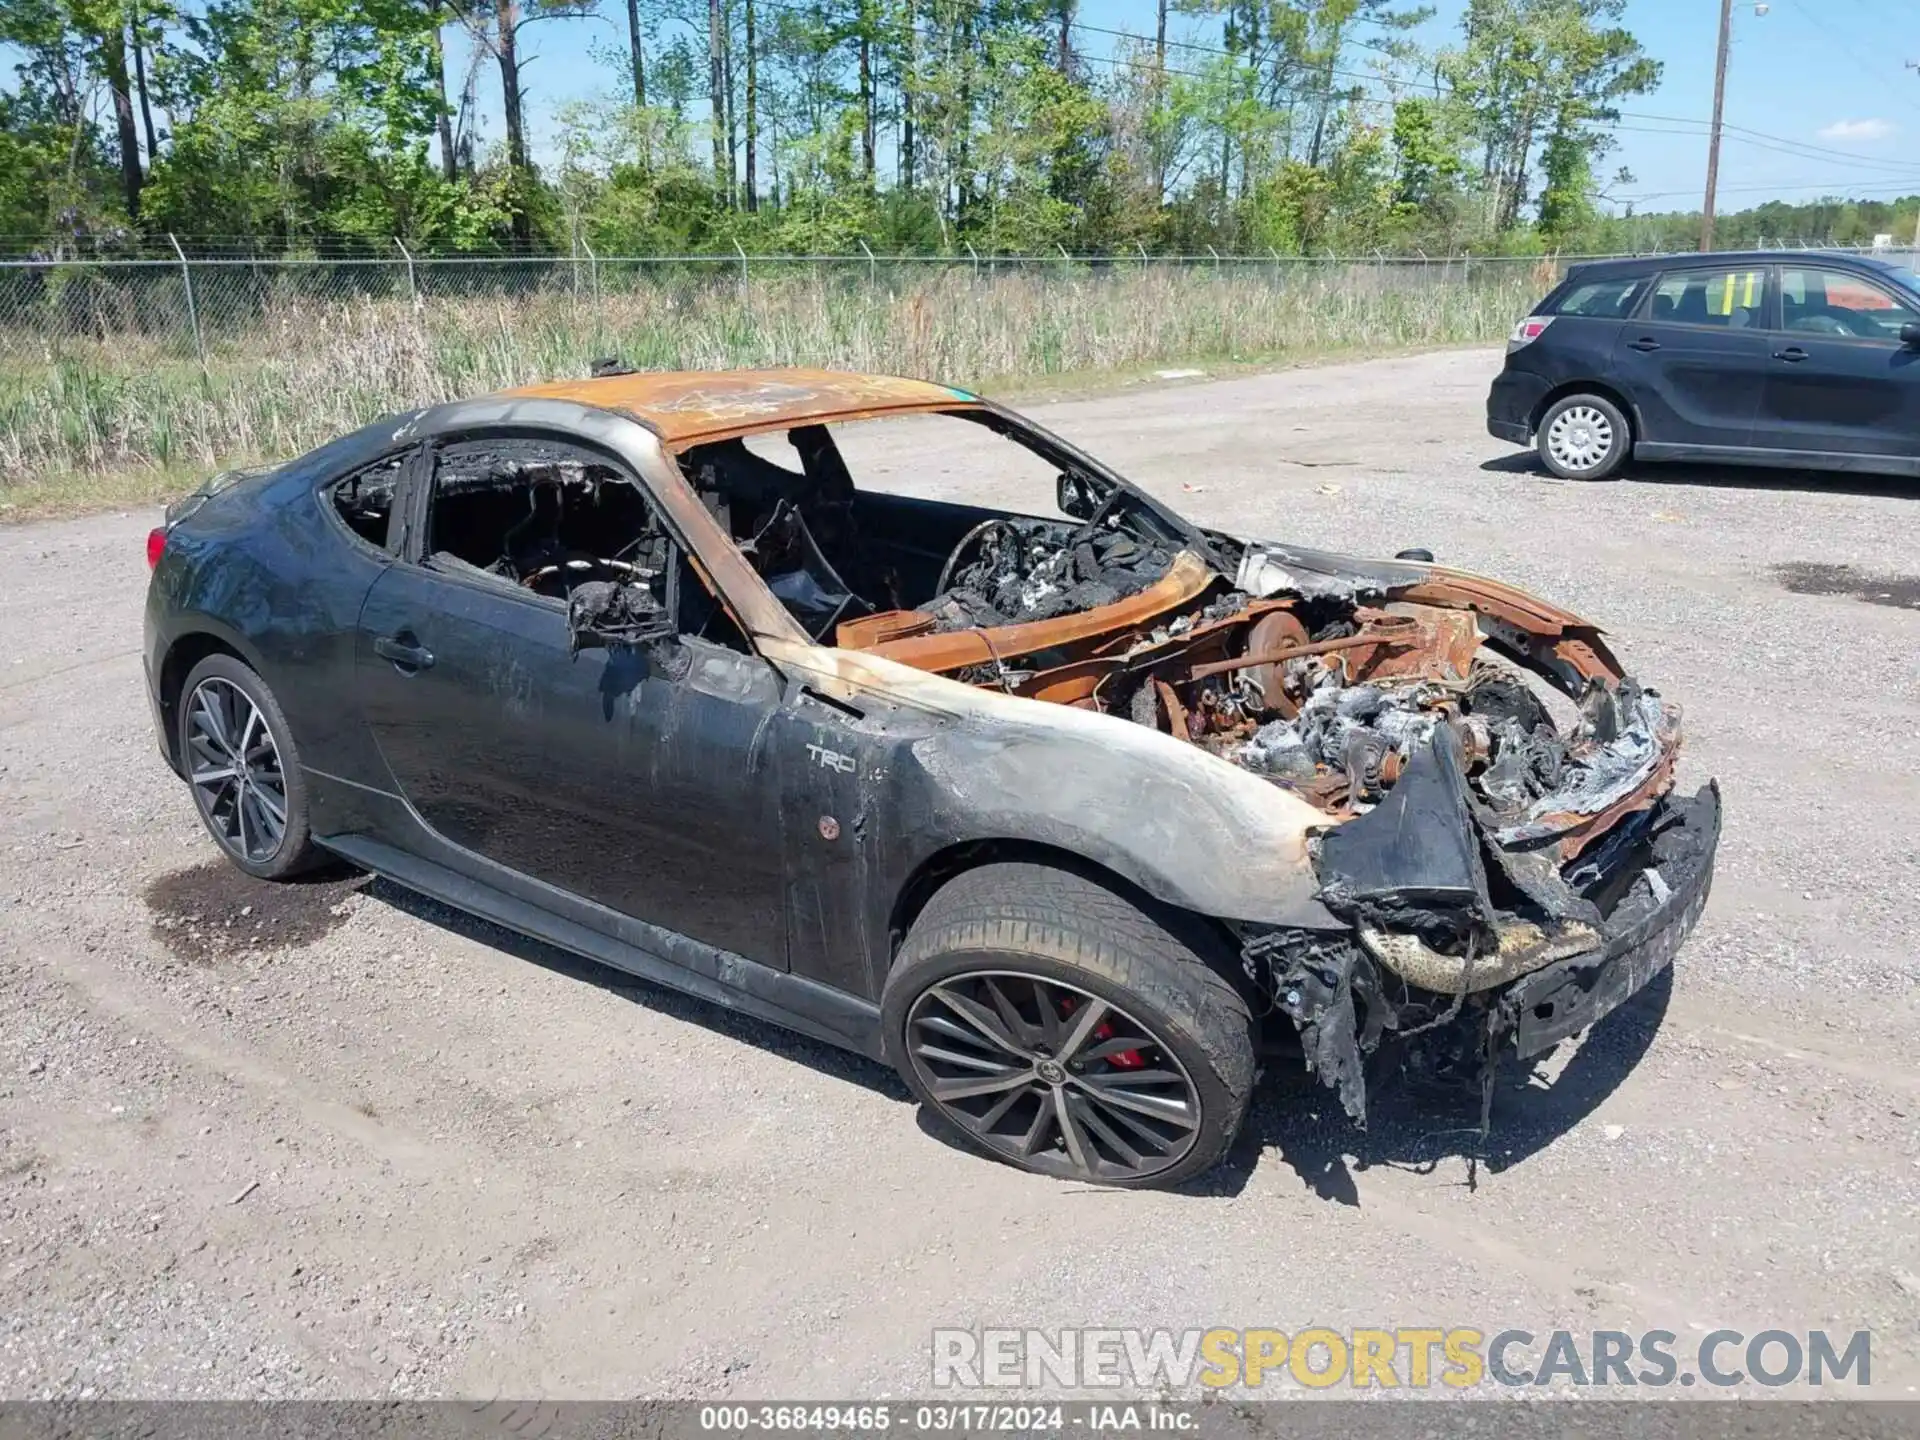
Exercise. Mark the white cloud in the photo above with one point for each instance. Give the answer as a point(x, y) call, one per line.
point(1858, 130)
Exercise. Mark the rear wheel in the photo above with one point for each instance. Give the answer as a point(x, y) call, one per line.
point(1061, 1028)
point(245, 775)
point(1583, 437)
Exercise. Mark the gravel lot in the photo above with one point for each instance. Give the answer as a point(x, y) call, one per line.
point(332, 1140)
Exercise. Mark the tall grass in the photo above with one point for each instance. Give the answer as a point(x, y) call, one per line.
point(303, 371)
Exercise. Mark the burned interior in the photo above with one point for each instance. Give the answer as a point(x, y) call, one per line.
point(559, 521)
point(1472, 837)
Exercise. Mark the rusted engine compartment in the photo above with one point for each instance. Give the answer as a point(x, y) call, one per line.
point(1330, 695)
point(1472, 838)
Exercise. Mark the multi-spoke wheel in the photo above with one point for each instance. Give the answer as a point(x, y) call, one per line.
point(1583, 437)
point(1052, 1076)
point(1059, 1026)
point(238, 758)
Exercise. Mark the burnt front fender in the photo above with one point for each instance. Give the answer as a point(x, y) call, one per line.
point(968, 765)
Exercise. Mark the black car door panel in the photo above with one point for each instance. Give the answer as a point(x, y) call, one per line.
point(1694, 359)
point(1839, 380)
point(630, 775)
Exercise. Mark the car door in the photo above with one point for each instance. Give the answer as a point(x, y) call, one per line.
point(1695, 355)
point(629, 776)
point(1839, 380)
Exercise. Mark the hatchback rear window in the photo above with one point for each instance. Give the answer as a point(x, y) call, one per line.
point(1602, 299)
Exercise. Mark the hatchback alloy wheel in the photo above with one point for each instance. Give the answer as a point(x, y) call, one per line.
point(235, 770)
point(1052, 1076)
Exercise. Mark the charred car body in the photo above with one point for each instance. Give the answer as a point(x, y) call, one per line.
point(1064, 817)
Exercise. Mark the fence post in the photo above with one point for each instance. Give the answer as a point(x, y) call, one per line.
point(193, 310)
point(413, 281)
point(1063, 252)
point(1143, 255)
point(873, 267)
point(976, 257)
point(744, 279)
point(1216, 257)
point(593, 276)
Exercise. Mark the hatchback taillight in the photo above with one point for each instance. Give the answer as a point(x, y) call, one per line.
point(1528, 331)
point(156, 545)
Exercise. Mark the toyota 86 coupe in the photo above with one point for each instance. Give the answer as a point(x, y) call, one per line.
point(1071, 817)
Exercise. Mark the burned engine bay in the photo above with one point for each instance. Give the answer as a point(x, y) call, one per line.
point(1473, 836)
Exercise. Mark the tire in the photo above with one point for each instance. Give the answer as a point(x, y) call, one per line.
point(1583, 437)
point(240, 815)
point(1174, 1100)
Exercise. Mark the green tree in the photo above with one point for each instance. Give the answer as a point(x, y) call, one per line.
point(1537, 70)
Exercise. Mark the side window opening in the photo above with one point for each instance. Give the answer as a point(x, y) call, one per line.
point(365, 499)
point(1839, 302)
point(921, 544)
point(560, 522)
point(1728, 298)
point(788, 504)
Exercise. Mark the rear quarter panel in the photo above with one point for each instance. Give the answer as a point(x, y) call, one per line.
point(263, 570)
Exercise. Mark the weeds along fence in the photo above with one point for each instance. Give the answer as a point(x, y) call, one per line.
point(200, 362)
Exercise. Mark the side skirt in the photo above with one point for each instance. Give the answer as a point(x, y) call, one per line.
point(660, 956)
point(1858, 464)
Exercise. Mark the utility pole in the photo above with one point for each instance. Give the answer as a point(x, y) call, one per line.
point(1713, 145)
point(1915, 65)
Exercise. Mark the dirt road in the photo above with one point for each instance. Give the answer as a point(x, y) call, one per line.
point(332, 1140)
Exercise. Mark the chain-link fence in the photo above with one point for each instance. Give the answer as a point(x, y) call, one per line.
point(207, 308)
point(204, 360)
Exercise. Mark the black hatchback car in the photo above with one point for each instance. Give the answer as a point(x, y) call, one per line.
point(1787, 359)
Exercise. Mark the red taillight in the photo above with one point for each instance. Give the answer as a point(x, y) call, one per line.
point(156, 545)
point(1528, 331)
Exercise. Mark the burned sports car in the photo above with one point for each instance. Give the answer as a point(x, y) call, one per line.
point(1070, 817)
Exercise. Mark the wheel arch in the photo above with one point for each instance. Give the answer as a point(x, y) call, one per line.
point(187, 650)
point(1612, 394)
point(1209, 936)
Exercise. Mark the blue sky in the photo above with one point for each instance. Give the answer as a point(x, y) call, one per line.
point(1821, 85)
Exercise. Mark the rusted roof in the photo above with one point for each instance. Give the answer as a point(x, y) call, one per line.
point(686, 406)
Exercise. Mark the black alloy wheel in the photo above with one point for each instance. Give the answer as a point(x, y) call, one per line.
point(1051, 1076)
point(234, 767)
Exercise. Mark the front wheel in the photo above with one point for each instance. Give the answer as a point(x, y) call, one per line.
point(239, 760)
point(1583, 437)
point(1061, 1028)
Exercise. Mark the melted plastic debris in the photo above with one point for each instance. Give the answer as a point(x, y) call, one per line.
point(1035, 570)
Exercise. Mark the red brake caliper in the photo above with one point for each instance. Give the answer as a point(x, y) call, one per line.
point(1121, 1060)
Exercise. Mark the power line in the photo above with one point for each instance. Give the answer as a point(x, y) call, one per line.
point(1891, 167)
point(1838, 41)
point(1809, 150)
point(1905, 187)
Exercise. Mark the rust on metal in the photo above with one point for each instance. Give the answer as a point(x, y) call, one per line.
point(1185, 581)
point(880, 628)
point(1275, 631)
point(1551, 630)
point(1365, 640)
point(694, 406)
